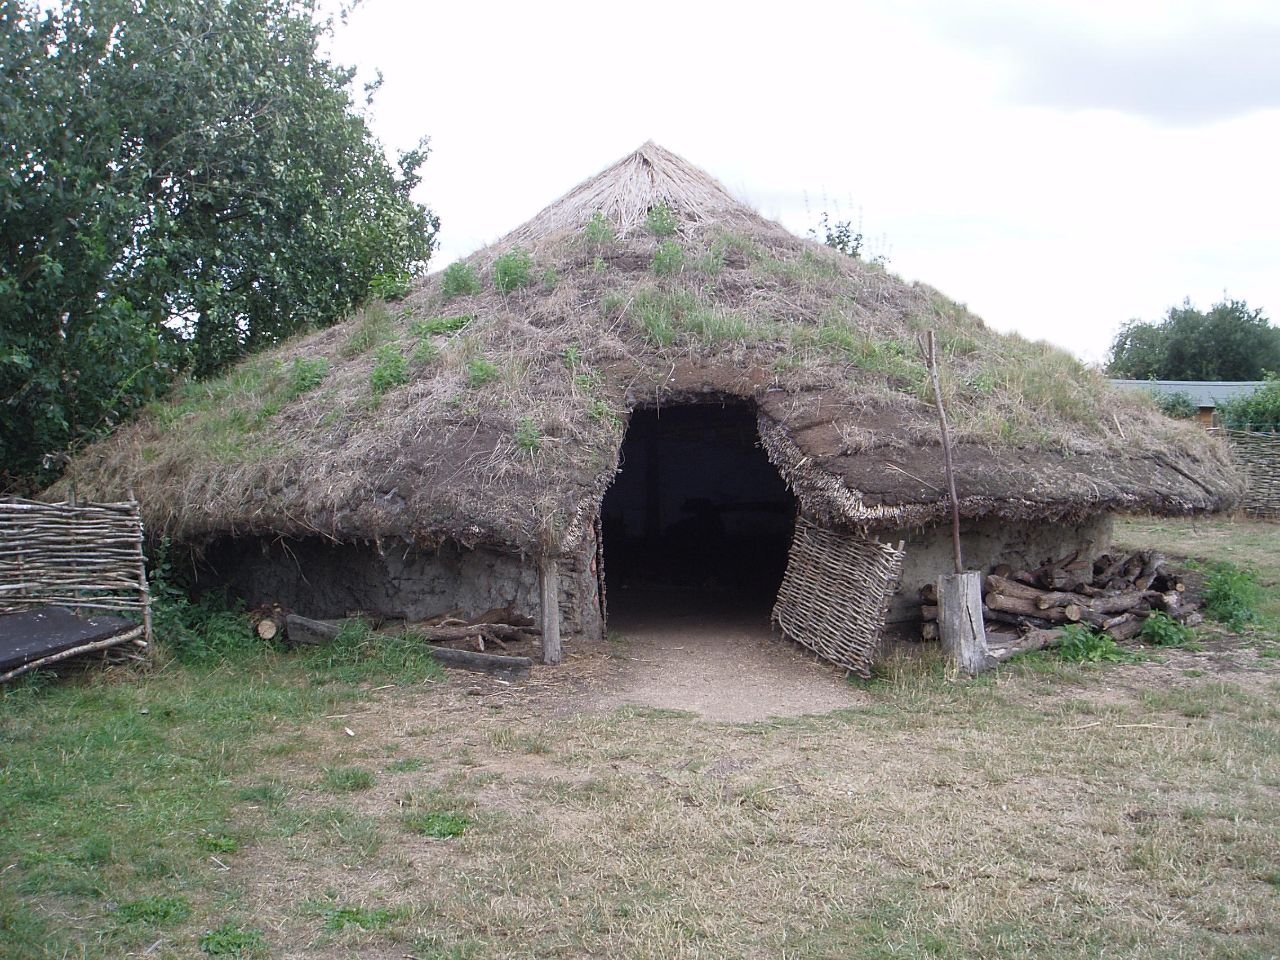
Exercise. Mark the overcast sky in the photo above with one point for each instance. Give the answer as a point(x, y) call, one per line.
point(1059, 167)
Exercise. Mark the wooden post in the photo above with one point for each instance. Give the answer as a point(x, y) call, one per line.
point(549, 587)
point(960, 626)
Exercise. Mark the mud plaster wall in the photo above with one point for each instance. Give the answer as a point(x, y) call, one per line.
point(325, 580)
point(985, 544)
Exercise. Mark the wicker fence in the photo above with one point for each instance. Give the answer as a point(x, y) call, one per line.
point(1258, 455)
point(835, 594)
point(84, 556)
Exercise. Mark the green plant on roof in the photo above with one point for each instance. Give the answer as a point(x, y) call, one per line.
point(513, 270)
point(661, 221)
point(459, 280)
point(480, 371)
point(668, 258)
point(425, 352)
point(390, 369)
point(390, 286)
point(713, 261)
point(441, 325)
point(599, 232)
point(528, 435)
point(305, 374)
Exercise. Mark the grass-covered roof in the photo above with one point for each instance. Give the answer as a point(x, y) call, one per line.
point(489, 404)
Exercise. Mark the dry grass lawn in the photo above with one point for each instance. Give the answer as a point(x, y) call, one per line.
point(1047, 810)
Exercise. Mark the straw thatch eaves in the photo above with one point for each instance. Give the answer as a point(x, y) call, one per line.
point(506, 427)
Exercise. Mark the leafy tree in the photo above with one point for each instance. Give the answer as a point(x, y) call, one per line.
point(839, 235)
point(1229, 342)
point(1178, 405)
point(1259, 410)
point(186, 182)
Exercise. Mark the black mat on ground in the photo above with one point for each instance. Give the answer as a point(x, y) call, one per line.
point(34, 634)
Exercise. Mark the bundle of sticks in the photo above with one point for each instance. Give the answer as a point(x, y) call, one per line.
point(1114, 593)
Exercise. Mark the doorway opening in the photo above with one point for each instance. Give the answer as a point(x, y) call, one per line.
point(697, 516)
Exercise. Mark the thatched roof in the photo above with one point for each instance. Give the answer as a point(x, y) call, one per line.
point(497, 416)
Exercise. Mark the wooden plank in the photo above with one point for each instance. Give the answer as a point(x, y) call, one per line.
point(492, 663)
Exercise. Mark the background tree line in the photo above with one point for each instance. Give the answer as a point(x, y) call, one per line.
point(185, 182)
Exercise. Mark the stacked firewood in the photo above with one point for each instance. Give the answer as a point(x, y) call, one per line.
point(1114, 594)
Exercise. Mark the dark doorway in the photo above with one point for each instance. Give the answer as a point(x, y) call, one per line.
point(697, 508)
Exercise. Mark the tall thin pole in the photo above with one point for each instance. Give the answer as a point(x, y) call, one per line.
point(931, 360)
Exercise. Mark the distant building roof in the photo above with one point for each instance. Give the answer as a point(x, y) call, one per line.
point(1205, 394)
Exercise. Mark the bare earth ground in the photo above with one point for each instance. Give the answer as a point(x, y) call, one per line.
point(717, 660)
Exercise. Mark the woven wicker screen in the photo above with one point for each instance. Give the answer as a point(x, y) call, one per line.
point(76, 555)
point(1258, 455)
point(835, 594)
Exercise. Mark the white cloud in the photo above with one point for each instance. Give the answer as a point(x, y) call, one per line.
point(1050, 212)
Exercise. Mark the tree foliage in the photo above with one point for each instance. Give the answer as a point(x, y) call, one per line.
point(1228, 342)
point(186, 182)
point(1259, 410)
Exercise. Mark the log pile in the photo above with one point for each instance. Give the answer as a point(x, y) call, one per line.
point(1113, 594)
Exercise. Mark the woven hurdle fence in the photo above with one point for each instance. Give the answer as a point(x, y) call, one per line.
point(83, 556)
point(835, 594)
point(1258, 455)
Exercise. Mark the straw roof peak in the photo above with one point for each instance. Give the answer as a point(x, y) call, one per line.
point(626, 192)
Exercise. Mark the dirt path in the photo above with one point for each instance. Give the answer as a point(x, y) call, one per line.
point(722, 662)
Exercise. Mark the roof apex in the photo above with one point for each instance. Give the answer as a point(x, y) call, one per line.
point(625, 193)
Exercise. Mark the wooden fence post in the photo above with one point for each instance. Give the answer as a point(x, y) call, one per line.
point(960, 625)
point(549, 588)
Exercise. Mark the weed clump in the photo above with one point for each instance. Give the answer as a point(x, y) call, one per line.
point(435, 823)
point(513, 270)
point(1161, 630)
point(347, 779)
point(155, 911)
point(661, 221)
point(599, 232)
point(390, 370)
point(1080, 644)
point(668, 258)
point(305, 374)
point(459, 280)
point(480, 371)
point(233, 940)
point(1232, 595)
point(528, 435)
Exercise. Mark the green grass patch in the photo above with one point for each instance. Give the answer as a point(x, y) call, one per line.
point(304, 375)
point(440, 824)
point(347, 779)
point(407, 765)
point(158, 910)
point(358, 654)
point(234, 940)
point(364, 918)
point(217, 843)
